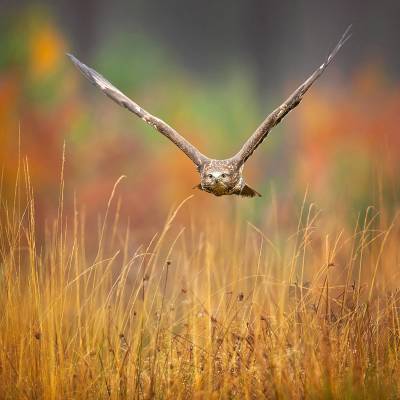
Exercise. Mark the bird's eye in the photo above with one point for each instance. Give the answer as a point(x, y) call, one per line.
point(209, 175)
point(223, 175)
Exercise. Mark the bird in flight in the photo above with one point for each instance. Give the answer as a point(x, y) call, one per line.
point(219, 177)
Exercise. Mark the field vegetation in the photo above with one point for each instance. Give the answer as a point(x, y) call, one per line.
point(204, 310)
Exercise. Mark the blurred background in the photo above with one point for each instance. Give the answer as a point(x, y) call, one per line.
point(212, 70)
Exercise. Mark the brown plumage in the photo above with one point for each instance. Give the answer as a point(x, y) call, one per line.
point(219, 177)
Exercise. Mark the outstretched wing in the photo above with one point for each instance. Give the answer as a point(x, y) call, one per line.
point(294, 99)
point(114, 94)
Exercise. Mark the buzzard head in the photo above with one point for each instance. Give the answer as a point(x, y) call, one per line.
point(221, 177)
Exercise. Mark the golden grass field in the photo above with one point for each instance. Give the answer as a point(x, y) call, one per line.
point(204, 310)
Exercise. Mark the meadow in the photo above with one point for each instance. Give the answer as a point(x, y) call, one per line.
point(137, 287)
point(210, 309)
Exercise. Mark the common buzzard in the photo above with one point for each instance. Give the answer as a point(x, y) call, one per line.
point(219, 177)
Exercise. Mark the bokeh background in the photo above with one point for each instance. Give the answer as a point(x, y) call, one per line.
point(213, 70)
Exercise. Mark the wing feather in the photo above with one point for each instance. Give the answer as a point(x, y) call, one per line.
point(279, 113)
point(124, 101)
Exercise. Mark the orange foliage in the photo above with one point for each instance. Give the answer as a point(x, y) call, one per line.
point(47, 48)
point(355, 125)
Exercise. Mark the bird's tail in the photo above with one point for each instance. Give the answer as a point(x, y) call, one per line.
point(247, 191)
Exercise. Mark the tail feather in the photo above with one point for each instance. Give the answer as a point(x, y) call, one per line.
point(247, 191)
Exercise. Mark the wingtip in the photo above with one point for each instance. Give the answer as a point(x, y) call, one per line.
point(73, 58)
point(84, 69)
point(346, 35)
point(344, 38)
point(70, 56)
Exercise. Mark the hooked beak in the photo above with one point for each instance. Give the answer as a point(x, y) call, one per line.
point(218, 181)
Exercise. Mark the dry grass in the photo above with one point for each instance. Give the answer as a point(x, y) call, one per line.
point(210, 311)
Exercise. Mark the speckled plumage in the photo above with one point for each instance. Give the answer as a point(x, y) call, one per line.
point(219, 177)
